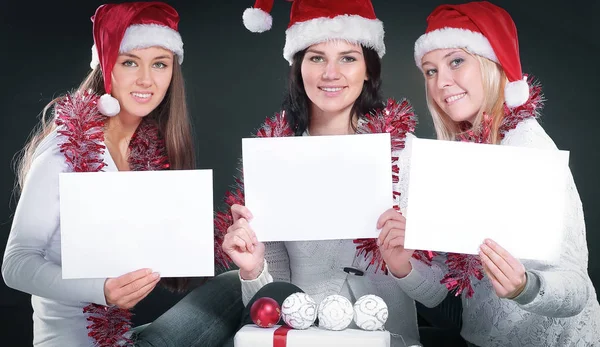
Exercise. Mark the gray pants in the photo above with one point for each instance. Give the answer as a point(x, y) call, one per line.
point(208, 316)
point(444, 323)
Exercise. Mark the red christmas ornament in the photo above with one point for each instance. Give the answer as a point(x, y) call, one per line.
point(265, 312)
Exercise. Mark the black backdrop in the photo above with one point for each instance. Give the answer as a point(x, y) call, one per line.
point(235, 79)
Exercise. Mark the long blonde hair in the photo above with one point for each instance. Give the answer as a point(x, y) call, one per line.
point(494, 79)
point(171, 116)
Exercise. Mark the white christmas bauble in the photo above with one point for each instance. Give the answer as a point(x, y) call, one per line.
point(370, 312)
point(299, 311)
point(335, 313)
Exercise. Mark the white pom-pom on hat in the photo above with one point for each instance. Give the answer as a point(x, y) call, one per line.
point(516, 93)
point(108, 106)
point(257, 19)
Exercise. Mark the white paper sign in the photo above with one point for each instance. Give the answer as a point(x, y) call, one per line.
point(113, 223)
point(461, 193)
point(317, 187)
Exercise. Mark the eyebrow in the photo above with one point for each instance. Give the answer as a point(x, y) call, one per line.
point(445, 56)
point(155, 58)
point(341, 53)
point(450, 53)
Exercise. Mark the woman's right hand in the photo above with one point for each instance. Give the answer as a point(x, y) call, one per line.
point(391, 243)
point(242, 246)
point(127, 290)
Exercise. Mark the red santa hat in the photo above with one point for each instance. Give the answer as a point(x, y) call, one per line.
point(123, 27)
point(316, 21)
point(483, 29)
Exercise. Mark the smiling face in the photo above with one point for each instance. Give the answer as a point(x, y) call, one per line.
point(141, 78)
point(334, 73)
point(454, 82)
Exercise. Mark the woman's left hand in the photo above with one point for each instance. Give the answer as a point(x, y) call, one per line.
point(506, 273)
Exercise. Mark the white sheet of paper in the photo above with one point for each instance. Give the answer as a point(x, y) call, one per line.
point(317, 187)
point(461, 193)
point(113, 223)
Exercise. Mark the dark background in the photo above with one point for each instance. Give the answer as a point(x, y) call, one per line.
point(235, 79)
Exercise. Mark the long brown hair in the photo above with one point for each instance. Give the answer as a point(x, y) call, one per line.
point(171, 116)
point(494, 79)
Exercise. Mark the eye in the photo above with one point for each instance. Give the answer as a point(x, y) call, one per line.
point(129, 63)
point(430, 72)
point(316, 59)
point(456, 62)
point(348, 59)
point(159, 65)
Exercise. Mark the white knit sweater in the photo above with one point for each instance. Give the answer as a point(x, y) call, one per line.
point(558, 307)
point(317, 268)
point(32, 260)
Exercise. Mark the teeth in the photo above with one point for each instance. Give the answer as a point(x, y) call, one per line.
point(331, 89)
point(455, 97)
point(140, 95)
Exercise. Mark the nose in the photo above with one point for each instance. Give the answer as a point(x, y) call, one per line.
point(144, 77)
point(444, 78)
point(332, 71)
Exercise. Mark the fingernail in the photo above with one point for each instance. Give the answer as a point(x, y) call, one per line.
point(488, 241)
point(156, 275)
point(483, 247)
point(148, 271)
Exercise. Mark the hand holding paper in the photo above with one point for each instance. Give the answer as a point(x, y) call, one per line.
point(391, 242)
point(127, 290)
point(242, 246)
point(506, 273)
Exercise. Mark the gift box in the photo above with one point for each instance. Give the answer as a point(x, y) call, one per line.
point(253, 336)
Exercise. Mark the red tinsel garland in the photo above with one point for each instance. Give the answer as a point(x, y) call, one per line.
point(82, 126)
point(462, 268)
point(397, 118)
